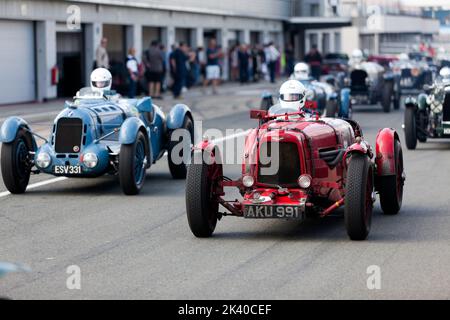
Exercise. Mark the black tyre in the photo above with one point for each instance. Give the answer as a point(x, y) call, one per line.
point(358, 197)
point(133, 165)
point(202, 208)
point(422, 123)
point(410, 128)
point(397, 99)
point(396, 103)
point(331, 108)
point(177, 159)
point(386, 96)
point(16, 163)
point(391, 187)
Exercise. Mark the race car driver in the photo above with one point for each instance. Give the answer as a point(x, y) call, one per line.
point(292, 98)
point(101, 81)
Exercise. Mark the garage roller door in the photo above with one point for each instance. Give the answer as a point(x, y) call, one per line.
point(17, 62)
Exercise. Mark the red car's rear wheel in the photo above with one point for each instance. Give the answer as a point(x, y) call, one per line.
point(391, 187)
point(202, 206)
point(358, 197)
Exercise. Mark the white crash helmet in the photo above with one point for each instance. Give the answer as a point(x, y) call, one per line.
point(301, 71)
point(292, 95)
point(445, 75)
point(101, 80)
point(357, 56)
point(403, 57)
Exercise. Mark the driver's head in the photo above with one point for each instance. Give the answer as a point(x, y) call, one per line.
point(403, 57)
point(301, 71)
point(101, 80)
point(357, 56)
point(445, 75)
point(292, 95)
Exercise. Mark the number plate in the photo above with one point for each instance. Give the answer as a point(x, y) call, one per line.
point(67, 170)
point(446, 130)
point(273, 212)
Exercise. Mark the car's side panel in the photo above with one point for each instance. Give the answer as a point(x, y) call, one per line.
point(344, 110)
point(385, 148)
point(175, 119)
point(129, 130)
point(10, 127)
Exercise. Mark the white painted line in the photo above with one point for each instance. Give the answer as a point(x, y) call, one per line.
point(37, 185)
point(59, 179)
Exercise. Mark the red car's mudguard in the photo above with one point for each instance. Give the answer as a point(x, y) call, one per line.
point(385, 148)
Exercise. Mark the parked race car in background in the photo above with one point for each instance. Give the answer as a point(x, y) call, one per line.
point(370, 84)
point(428, 116)
point(323, 97)
point(414, 72)
point(98, 133)
point(295, 167)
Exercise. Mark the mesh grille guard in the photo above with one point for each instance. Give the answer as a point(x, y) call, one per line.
point(68, 135)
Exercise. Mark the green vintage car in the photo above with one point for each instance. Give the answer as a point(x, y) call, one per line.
point(428, 115)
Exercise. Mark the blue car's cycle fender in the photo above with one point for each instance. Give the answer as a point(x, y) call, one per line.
point(10, 127)
point(176, 117)
point(129, 131)
point(344, 110)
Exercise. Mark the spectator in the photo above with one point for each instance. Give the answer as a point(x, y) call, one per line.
point(154, 65)
point(272, 56)
point(194, 69)
point(201, 57)
point(290, 60)
point(163, 75)
point(234, 62)
point(178, 62)
point(314, 59)
point(101, 55)
point(244, 61)
point(133, 73)
point(213, 54)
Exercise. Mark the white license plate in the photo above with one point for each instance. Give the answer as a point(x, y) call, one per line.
point(67, 170)
point(446, 130)
point(273, 212)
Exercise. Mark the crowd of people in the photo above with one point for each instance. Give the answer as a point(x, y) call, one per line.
point(181, 67)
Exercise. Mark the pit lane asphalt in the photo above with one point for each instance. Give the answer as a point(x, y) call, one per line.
point(141, 247)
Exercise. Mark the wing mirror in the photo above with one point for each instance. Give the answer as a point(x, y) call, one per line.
point(258, 114)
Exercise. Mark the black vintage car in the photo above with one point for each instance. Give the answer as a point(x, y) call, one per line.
point(428, 116)
point(370, 84)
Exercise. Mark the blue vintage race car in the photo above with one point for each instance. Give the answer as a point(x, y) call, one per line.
point(98, 134)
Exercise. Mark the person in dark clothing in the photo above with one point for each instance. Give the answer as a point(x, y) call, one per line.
point(163, 75)
point(314, 59)
point(178, 61)
point(243, 60)
point(153, 61)
point(290, 60)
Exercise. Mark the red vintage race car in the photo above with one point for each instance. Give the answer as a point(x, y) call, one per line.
point(297, 166)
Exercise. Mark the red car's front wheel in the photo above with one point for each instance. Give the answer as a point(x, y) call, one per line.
point(202, 207)
point(391, 187)
point(359, 197)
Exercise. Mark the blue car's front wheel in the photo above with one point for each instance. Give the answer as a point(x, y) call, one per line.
point(16, 163)
point(133, 165)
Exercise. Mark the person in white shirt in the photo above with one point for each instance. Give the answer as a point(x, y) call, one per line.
point(133, 73)
point(272, 56)
point(101, 55)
